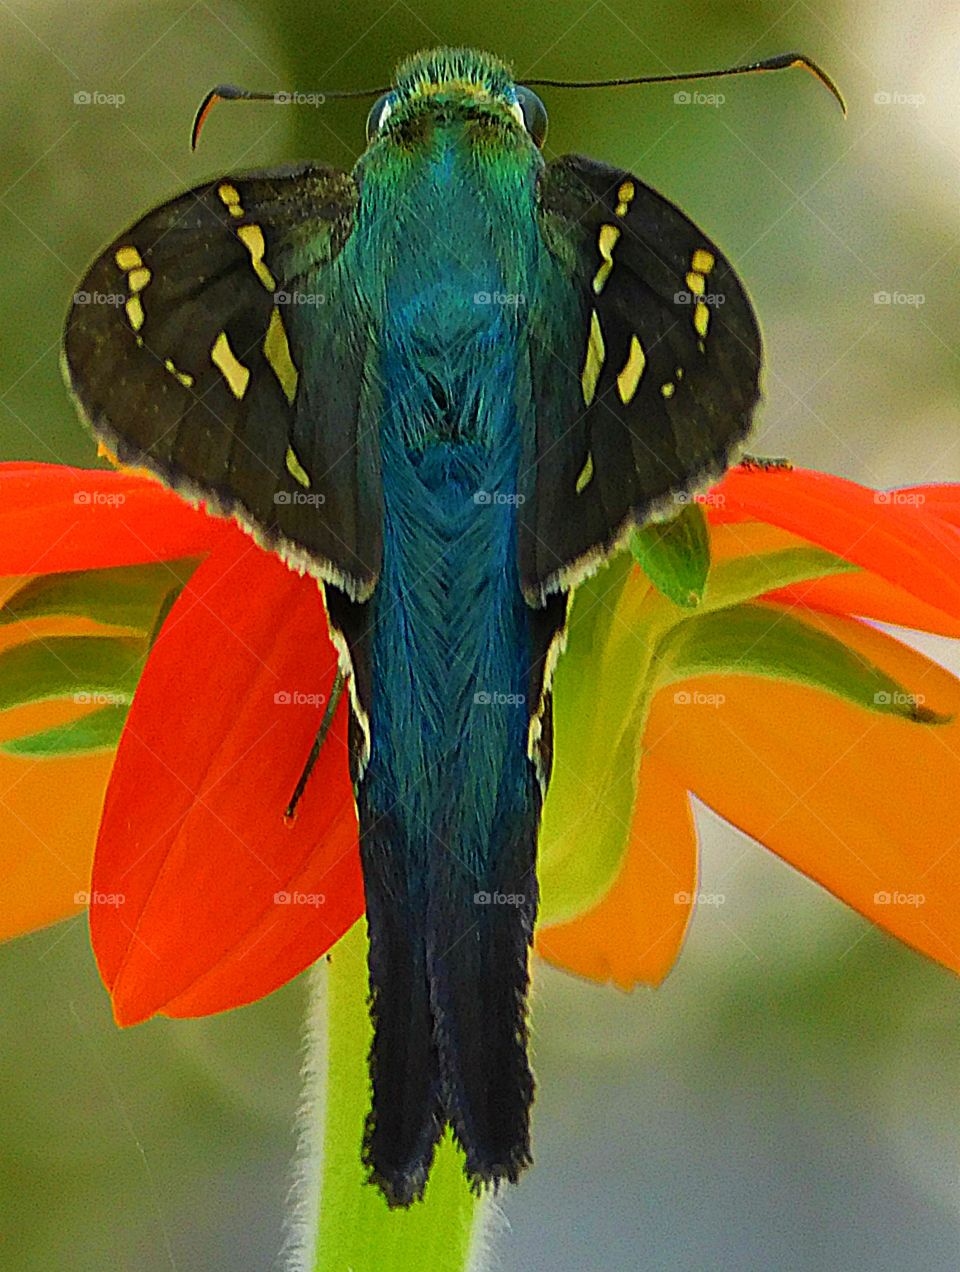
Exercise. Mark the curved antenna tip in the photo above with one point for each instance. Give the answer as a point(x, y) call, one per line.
point(817, 71)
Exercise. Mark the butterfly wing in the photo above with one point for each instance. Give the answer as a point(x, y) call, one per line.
point(643, 373)
point(217, 345)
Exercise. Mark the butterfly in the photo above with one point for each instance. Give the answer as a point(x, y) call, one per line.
point(447, 385)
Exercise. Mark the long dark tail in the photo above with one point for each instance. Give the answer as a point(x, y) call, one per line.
point(448, 979)
point(451, 902)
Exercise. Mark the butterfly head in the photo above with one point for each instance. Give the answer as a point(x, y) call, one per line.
point(455, 86)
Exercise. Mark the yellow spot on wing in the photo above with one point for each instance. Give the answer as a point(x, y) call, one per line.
point(138, 278)
point(594, 361)
point(134, 312)
point(667, 389)
point(251, 236)
point(586, 474)
point(185, 379)
point(703, 261)
point(625, 195)
point(696, 283)
point(629, 377)
point(606, 242)
point(276, 350)
point(127, 258)
point(701, 318)
point(296, 469)
point(225, 360)
point(230, 197)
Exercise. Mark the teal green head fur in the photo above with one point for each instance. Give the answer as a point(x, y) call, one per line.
point(447, 385)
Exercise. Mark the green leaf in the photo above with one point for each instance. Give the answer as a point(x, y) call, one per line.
point(356, 1228)
point(599, 714)
point(96, 731)
point(123, 596)
point(99, 670)
point(731, 582)
point(762, 640)
point(675, 555)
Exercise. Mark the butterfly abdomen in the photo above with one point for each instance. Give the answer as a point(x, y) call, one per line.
point(449, 802)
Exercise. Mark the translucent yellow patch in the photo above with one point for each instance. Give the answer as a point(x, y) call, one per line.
point(127, 258)
point(594, 360)
point(702, 261)
point(701, 318)
point(232, 369)
point(586, 474)
point(185, 379)
point(668, 389)
point(135, 315)
point(138, 278)
point(276, 350)
point(251, 236)
point(230, 198)
point(296, 469)
point(625, 195)
point(629, 377)
point(696, 283)
point(606, 243)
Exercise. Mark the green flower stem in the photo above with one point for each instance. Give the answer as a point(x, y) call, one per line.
point(352, 1228)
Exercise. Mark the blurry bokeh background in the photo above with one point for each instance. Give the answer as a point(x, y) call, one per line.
point(790, 1099)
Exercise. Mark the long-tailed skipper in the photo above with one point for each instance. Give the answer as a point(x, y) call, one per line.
point(447, 385)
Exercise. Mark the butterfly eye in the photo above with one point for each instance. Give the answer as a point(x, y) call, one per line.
point(379, 114)
point(534, 114)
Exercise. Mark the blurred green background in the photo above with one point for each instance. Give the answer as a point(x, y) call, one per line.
point(789, 1099)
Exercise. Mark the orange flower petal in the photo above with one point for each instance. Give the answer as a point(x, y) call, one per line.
point(864, 804)
point(902, 542)
point(49, 808)
point(49, 812)
point(54, 518)
point(633, 936)
point(222, 901)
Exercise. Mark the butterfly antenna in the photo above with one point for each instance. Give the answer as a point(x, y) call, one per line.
point(233, 93)
point(782, 62)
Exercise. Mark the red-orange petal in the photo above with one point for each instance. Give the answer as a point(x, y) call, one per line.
point(54, 518)
point(903, 542)
point(865, 594)
point(634, 934)
point(864, 804)
point(221, 900)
